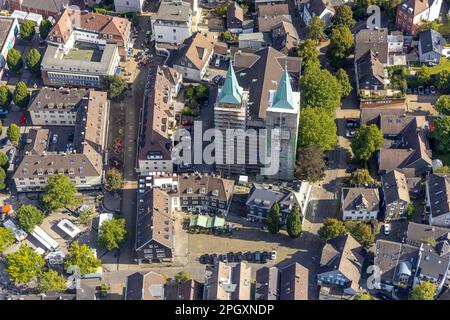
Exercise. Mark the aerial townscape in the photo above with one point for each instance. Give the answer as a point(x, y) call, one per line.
point(224, 150)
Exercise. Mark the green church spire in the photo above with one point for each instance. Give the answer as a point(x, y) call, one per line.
point(231, 92)
point(283, 96)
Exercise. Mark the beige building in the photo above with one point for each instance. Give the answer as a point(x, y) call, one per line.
point(68, 137)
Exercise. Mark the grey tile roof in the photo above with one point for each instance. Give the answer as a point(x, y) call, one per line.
point(54, 6)
point(174, 11)
point(439, 194)
point(370, 70)
point(417, 233)
point(145, 286)
point(5, 27)
point(395, 187)
point(375, 40)
point(262, 197)
point(431, 40)
point(354, 198)
point(294, 281)
point(267, 283)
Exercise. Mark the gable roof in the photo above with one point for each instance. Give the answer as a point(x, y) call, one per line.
point(431, 40)
point(355, 197)
point(418, 232)
point(347, 257)
point(267, 283)
point(375, 40)
point(418, 6)
point(271, 14)
point(196, 49)
point(145, 286)
point(235, 11)
point(395, 187)
point(369, 68)
point(438, 185)
point(294, 281)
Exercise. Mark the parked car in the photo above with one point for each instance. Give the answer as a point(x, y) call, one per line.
point(351, 123)
point(204, 259)
point(3, 112)
point(248, 256)
point(427, 90)
point(11, 153)
point(230, 256)
point(223, 258)
point(217, 79)
point(432, 89)
point(350, 133)
point(273, 255)
point(409, 91)
point(387, 229)
point(238, 257)
point(257, 256)
point(3, 141)
point(415, 90)
point(382, 296)
point(420, 90)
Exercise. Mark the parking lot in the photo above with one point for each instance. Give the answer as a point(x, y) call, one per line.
point(421, 104)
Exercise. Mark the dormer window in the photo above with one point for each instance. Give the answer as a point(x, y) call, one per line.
point(203, 190)
point(215, 193)
point(189, 190)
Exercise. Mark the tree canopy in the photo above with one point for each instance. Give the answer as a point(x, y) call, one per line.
point(442, 81)
point(5, 97)
point(82, 257)
point(44, 28)
point(363, 296)
point(28, 217)
point(423, 75)
point(273, 219)
point(343, 16)
point(14, 61)
point(116, 87)
point(442, 105)
point(360, 177)
point(341, 44)
point(59, 192)
point(294, 222)
point(13, 133)
point(425, 290)
point(23, 265)
point(320, 89)
point(27, 30)
point(182, 277)
point(86, 216)
point(310, 164)
point(112, 233)
point(366, 141)
point(2, 179)
point(362, 232)
point(309, 54)
point(33, 61)
point(113, 180)
point(21, 96)
point(317, 127)
point(51, 280)
point(441, 134)
point(344, 81)
point(6, 238)
point(316, 29)
point(331, 228)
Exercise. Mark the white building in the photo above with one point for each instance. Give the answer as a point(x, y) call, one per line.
point(172, 23)
point(360, 203)
point(9, 29)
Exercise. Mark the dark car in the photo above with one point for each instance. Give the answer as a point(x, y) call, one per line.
point(238, 257)
point(3, 141)
point(257, 256)
point(382, 296)
point(248, 256)
point(223, 258)
point(204, 259)
point(351, 123)
point(217, 79)
point(214, 259)
point(230, 256)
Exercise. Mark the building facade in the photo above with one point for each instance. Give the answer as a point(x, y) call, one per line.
point(9, 30)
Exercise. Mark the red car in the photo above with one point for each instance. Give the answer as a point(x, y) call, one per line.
point(23, 120)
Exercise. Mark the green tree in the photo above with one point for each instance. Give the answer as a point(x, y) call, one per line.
point(316, 29)
point(343, 17)
point(189, 92)
point(182, 277)
point(442, 81)
point(341, 44)
point(366, 141)
point(82, 257)
point(113, 180)
point(425, 290)
point(317, 127)
point(104, 289)
point(33, 61)
point(307, 51)
point(51, 280)
point(14, 61)
point(363, 296)
point(423, 75)
point(344, 81)
point(362, 232)
point(44, 28)
point(320, 89)
point(310, 164)
point(294, 223)
point(443, 169)
point(410, 210)
point(273, 219)
point(442, 105)
point(13, 133)
point(2, 179)
point(86, 216)
point(227, 36)
point(441, 134)
point(201, 92)
point(331, 229)
point(28, 217)
point(112, 233)
point(5, 97)
point(116, 86)
point(59, 192)
point(6, 238)
point(23, 265)
point(360, 177)
point(21, 96)
point(27, 30)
